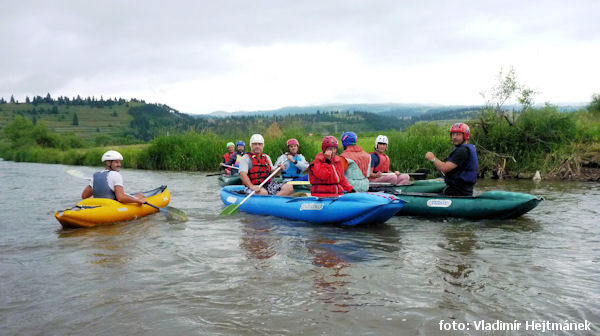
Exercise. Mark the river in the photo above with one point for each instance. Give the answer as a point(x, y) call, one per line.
point(252, 275)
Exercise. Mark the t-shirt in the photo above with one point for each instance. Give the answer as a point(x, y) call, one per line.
point(246, 163)
point(374, 160)
point(113, 178)
point(460, 156)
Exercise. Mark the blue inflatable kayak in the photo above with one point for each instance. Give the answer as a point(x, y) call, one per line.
point(349, 209)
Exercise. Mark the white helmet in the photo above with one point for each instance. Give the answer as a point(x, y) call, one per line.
point(112, 155)
point(257, 138)
point(381, 139)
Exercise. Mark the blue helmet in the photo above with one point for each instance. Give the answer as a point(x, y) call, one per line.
point(240, 143)
point(349, 138)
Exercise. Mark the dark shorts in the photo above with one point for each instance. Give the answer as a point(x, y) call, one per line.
point(272, 188)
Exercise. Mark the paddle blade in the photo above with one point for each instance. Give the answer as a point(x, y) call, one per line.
point(423, 171)
point(230, 209)
point(174, 214)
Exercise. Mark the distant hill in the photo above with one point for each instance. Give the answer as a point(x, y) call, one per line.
point(90, 118)
point(128, 121)
point(388, 109)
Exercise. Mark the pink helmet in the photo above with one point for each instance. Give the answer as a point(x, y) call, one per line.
point(461, 128)
point(329, 141)
point(293, 142)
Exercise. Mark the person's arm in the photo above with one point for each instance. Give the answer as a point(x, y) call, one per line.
point(301, 164)
point(280, 159)
point(321, 170)
point(124, 198)
point(245, 165)
point(442, 166)
point(345, 184)
point(87, 192)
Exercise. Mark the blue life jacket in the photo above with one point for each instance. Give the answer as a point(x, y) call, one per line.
point(292, 171)
point(100, 188)
point(468, 174)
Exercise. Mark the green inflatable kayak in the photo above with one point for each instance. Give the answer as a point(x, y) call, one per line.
point(419, 186)
point(225, 180)
point(422, 186)
point(489, 205)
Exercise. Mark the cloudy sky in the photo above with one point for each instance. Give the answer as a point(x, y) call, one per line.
point(201, 56)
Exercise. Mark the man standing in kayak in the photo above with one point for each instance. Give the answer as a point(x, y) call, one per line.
point(109, 182)
point(460, 168)
point(256, 166)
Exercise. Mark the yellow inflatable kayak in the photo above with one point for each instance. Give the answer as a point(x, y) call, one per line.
point(99, 211)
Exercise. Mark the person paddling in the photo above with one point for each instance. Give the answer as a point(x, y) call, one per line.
point(359, 161)
point(460, 168)
point(294, 163)
point(109, 182)
point(256, 166)
point(380, 165)
point(235, 158)
point(326, 173)
point(227, 156)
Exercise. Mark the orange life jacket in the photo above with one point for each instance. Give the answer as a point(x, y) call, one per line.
point(356, 154)
point(384, 163)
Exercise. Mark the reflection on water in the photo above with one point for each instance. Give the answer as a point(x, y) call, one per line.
point(257, 238)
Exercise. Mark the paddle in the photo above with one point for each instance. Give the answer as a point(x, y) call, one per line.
point(233, 208)
point(169, 212)
point(215, 174)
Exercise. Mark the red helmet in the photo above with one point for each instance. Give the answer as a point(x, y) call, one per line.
point(461, 128)
point(293, 142)
point(329, 141)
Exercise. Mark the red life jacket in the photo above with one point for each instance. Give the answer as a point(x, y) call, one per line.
point(327, 179)
point(260, 170)
point(356, 154)
point(384, 163)
point(226, 157)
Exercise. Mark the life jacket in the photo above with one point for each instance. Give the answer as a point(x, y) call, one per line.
point(226, 157)
point(362, 158)
point(292, 171)
point(384, 163)
point(261, 168)
point(466, 174)
point(100, 188)
point(238, 158)
point(333, 184)
point(355, 177)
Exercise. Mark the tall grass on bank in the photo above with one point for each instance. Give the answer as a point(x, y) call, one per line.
point(407, 149)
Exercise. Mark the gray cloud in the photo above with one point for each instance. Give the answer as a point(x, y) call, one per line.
point(47, 45)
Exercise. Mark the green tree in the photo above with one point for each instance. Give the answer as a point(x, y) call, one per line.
point(75, 120)
point(594, 106)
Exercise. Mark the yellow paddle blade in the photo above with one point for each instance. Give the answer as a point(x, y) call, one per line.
point(299, 182)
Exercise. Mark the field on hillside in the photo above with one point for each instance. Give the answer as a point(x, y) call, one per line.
point(93, 121)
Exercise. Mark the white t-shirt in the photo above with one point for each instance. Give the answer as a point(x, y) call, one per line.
point(113, 178)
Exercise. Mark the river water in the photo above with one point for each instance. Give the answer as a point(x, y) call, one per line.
point(251, 275)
